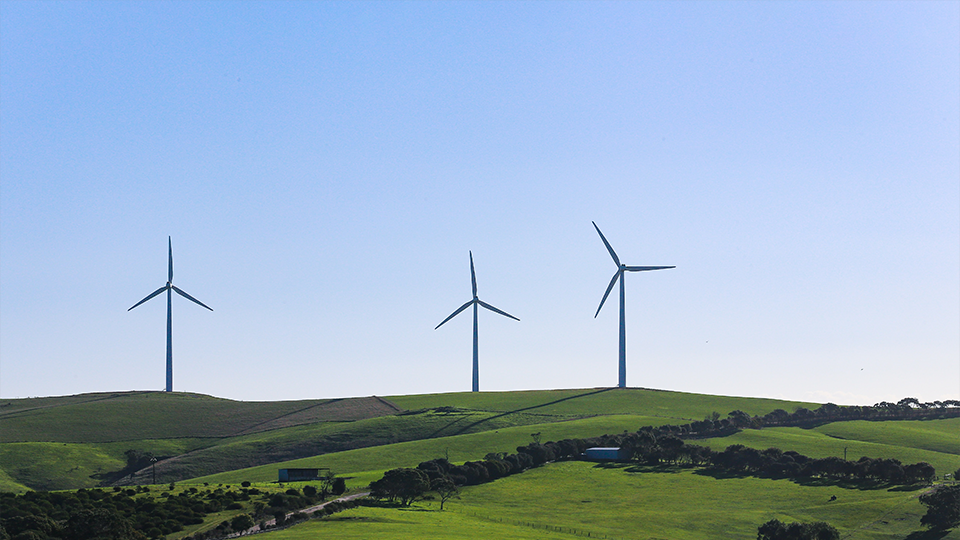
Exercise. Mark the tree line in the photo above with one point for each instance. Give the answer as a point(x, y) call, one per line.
point(667, 444)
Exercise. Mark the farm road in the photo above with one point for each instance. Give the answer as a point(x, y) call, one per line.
point(272, 522)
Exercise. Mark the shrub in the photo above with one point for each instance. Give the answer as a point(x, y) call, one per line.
point(943, 507)
point(818, 530)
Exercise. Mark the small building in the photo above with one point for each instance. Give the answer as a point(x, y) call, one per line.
point(298, 475)
point(600, 453)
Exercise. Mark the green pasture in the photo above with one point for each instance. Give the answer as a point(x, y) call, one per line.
point(936, 435)
point(166, 415)
point(72, 441)
point(621, 502)
point(51, 466)
point(458, 448)
point(679, 406)
point(330, 437)
point(9, 485)
point(816, 443)
point(417, 523)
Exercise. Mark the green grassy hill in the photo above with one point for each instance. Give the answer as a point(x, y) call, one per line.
point(579, 499)
point(77, 441)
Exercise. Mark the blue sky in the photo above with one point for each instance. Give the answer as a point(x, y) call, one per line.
point(324, 168)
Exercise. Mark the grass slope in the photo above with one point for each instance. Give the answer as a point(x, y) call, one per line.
point(166, 415)
point(678, 406)
point(817, 442)
point(578, 498)
point(937, 435)
point(224, 434)
point(369, 463)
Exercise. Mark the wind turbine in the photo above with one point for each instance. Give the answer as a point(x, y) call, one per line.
point(621, 268)
point(170, 287)
point(476, 301)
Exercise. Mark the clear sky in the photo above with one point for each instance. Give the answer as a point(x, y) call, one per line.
point(324, 168)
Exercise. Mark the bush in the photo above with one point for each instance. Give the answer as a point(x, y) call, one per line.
point(818, 530)
point(245, 484)
point(943, 507)
point(242, 522)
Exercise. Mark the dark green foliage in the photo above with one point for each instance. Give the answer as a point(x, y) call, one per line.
point(776, 530)
point(919, 472)
point(339, 487)
point(446, 489)
point(401, 485)
point(100, 524)
point(943, 507)
point(310, 491)
point(64, 515)
point(241, 522)
point(37, 523)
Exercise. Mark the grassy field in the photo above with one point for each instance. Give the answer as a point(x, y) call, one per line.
point(866, 439)
point(937, 435)
point(203, 435)
point(166, 415)
point(369, 463)
point(59, 443)
point(620, 502)
point(678, 406)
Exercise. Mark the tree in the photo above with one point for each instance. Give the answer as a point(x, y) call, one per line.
point(100, 524)
point(16, 525)
point(446, 489)
point(920, 472)
point(241, 523)
point(326, 484)
point(339, 487)
point(402, 485)
point(776, 530)
point(943, 507)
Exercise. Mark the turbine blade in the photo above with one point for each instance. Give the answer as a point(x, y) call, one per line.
point(170, 256)
point(151, 295)
point(610, 249)
point(188, 297)
point(645, 268)
point(606, 294)
point(473, 276)
point(495, 310)
point(455, 313)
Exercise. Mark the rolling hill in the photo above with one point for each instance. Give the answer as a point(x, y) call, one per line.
point(81, 441)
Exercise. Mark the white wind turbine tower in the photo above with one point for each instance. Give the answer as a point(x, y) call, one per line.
point(621, 268)
point(170, 287)
point(476, 301)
